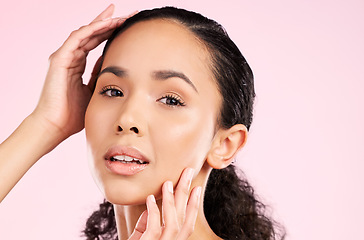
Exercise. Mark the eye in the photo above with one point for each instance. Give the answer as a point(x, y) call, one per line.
point(111, 91)
point(172, 100)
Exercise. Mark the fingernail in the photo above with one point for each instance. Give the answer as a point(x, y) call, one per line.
point(152, 198)
point(133, 13)
point(121, 21)
point(190, 173)
point(170, 186)
point(199, 190)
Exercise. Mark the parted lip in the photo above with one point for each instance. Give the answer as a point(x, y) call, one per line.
point(125, 150)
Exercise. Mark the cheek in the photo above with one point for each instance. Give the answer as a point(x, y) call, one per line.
point(184, 142)
point(97, 127)
point(93, 128)
point(99, 120)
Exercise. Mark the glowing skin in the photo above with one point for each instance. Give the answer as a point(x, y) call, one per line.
point(152, 115)
point(171, 136)
point(154, 108)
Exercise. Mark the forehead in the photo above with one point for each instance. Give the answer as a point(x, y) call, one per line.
point(159, 44)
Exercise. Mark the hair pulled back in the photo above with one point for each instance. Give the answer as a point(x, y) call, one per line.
point(230, 205)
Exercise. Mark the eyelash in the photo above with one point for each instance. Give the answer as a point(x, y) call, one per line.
point(104, 90)
point(176, 100)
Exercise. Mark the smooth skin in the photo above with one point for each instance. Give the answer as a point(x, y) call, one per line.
point(171, 136)
point(60, 114)
point(62, 105)
point(171, 121)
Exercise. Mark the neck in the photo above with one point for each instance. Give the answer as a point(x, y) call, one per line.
point(126, 219)
point(127, 216)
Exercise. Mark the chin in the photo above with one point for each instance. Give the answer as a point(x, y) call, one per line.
point(125, 193)
point(112, 198)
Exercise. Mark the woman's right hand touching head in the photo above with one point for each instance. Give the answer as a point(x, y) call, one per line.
point(62, 105)
point(64, 98)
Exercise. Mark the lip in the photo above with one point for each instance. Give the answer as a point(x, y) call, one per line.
point(126, 169)
point(125, 150)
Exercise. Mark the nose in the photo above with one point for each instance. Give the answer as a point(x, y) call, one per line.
point(132, 129)
point(130, 118)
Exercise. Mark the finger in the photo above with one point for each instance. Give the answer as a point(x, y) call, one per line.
point(91, 43)
point(132, 14)
point(183, 192)
point(140, 227)
point(169, 214)
point(95, 73)
point(191, 214)
point(153, 230)
point(86, 32)
point(103, 33)
point(106, 13)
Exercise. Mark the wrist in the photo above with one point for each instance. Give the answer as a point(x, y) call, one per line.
point(46, 135)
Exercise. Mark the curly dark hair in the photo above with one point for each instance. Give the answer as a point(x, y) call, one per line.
point(231, 207)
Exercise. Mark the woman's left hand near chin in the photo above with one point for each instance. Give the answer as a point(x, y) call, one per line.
point(179, 212)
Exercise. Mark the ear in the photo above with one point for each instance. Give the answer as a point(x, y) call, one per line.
point(225, 145)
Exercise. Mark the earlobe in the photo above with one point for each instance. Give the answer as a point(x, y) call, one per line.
point(226, 144)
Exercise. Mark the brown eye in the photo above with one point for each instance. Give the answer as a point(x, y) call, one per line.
point(111, 92)
point(172, 101)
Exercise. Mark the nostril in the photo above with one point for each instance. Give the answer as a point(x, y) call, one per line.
point(119, 129)
point(134, 129)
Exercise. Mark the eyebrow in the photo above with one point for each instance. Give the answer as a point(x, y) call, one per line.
point(117, 71)
point(166, 74)
point(157, 75)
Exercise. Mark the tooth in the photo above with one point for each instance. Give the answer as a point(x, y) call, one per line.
point(119, 157)
point(128, 159)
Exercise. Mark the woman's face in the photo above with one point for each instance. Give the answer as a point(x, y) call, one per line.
point(153, 112)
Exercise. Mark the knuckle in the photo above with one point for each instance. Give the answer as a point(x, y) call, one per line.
point(169, 201)
point(181, 219)
point(53, 57)
point(154, 211)
point(184, 190)
point(196, 206)
point(154, 233)
point(81, 28)
point(176, 230)
point(173, 229)
point(74, 32)
point(190, 229)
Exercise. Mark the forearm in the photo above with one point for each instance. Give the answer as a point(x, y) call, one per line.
point(61, 108)
point(28, 143)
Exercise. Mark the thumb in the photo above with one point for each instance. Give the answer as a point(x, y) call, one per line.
point(95, 73)
point(140, 227)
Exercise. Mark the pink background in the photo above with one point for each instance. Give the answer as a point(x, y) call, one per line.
point(305, 155)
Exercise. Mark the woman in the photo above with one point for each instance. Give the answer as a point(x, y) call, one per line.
point(169, 101)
